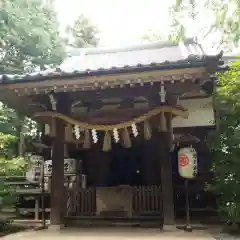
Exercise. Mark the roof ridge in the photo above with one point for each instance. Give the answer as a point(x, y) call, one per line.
point(137, 47)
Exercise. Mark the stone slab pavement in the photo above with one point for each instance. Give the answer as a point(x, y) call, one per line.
point(110, 234)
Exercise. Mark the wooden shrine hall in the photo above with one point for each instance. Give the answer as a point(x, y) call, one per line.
point(123, 114)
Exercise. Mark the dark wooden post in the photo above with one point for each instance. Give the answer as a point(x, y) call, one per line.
point(36, 217)
point(166, 174)
point(57, 181)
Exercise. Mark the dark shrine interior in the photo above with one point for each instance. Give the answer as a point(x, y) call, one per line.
point(126, 165)
point(127, 168)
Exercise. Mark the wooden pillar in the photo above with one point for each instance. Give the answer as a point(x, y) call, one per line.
point(36, 215)
point(166, 174)
point(57, 181)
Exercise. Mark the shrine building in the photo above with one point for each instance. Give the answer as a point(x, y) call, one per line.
point(121, 115)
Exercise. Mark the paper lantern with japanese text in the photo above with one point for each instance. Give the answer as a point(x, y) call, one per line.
point(70, 167)
point(34, 171)
point(187, 162)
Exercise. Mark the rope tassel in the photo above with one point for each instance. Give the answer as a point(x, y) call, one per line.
point(69, 133)
point(163, 124)
point(107, 142)
point(147, 130)
point(126, 138)
point(47, 129)
point(87, 140)
point(53, 128)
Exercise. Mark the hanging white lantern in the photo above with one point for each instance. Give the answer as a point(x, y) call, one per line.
point(70, 166)
point(77, 132)
point(116, 135)
point(34, 172)
point(94, 136)
point(48, 168)
point(187, 162)
point(134, 130)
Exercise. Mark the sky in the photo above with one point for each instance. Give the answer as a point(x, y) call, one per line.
point(120, 22)
point(123, 23)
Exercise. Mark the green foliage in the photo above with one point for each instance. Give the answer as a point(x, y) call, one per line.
point(226, 146)
point(8, 120)
point(11, 126)
point(12, 167)
point(83, 33)
point(226, 22)
point(217, 22)
point(29, 40)
point(223, 22)
point(7, 144)
point(4, 225)
point(7, 196)
point(29, 36)
point(9, 123)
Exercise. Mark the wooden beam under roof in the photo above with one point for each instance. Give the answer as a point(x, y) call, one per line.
point(112, 80)
point(147, 90)
point(29, 104)
point(174, 87)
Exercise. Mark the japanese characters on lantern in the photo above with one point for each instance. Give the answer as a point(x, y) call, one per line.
point(187, 162)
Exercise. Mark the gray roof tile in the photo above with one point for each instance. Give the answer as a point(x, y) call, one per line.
point(95, 59)
point(91, 61)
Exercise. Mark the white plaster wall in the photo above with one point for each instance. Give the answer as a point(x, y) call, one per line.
point(200, 113)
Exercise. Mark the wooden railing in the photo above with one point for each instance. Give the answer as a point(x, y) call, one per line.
point(147, 200)
point(81, 202)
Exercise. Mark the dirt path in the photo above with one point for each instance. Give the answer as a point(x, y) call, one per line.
point(109, 234)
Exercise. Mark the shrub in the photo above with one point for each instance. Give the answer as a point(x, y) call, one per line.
point(226, 147)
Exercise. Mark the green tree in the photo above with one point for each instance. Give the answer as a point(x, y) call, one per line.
point(29, 40)
point(7, 144)
point(8, 120)
point(82, 33)
point(29, 36)
point(226, 146)
point(218, 20)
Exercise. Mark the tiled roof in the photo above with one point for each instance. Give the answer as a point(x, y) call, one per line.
point(99, 61)
point(95, 59)
point(231, 57)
